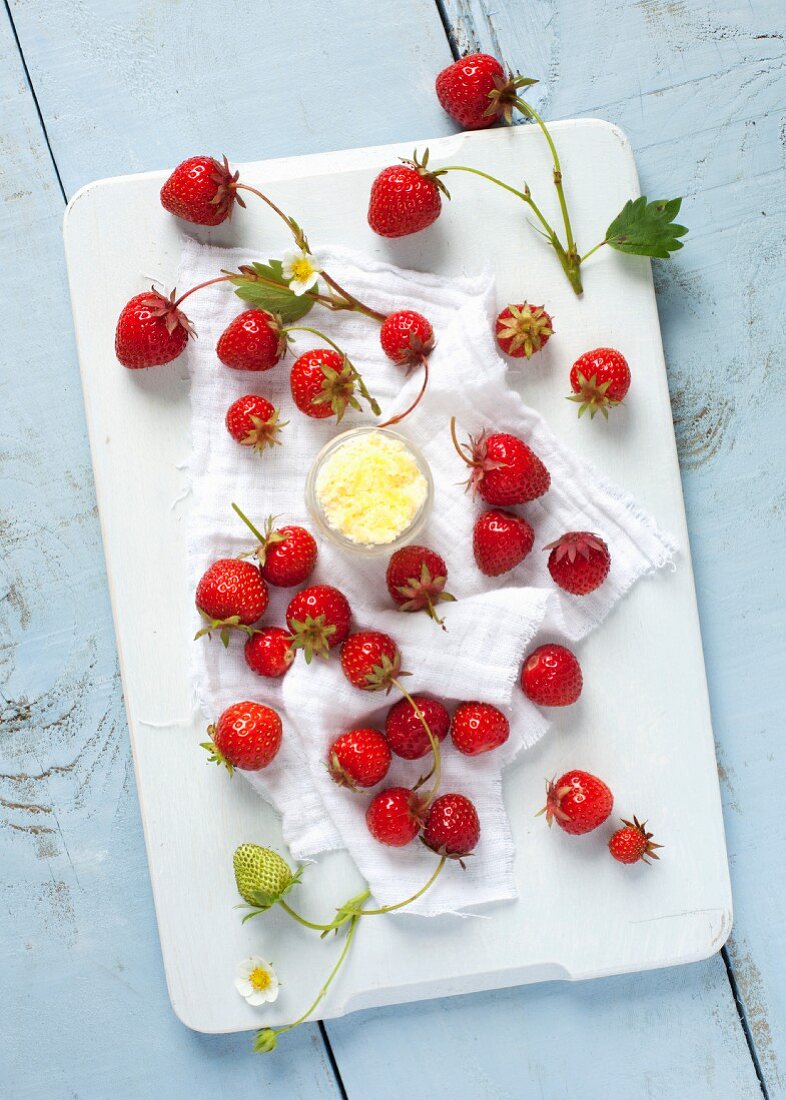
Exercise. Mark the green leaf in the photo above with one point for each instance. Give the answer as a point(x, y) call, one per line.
point(278, 298)
point(647, 228)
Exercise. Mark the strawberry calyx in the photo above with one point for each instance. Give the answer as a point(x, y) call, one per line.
point(475, 455)
point(168, 309)
point(224, 626)
point(443, 853)
point(340, 775)
point(649, 845)
point(592, 395)
point(575, 544)
point(264, 433)
point(527, 328)
point(553, 807)
point(382, 676)
point(216, 755)
point(270, 537)
point(312, 635)
point(338, 388)
point(504, 96)
point(423, 593)
point(227, 183)
point(420, 165)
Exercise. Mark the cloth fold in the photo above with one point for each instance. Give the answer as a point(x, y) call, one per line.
point(494, 621)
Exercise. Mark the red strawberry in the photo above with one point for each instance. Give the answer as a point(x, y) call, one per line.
point(231, 594)
point(452, 826)
point(151, 330)
point(579, 802)
point(476, 92)
point(286, 556)
point(504, 469)
point(405, 198)
point(633, 842)
point(416, 579)
point(370, 660)
point(394, 816)
point(319, 619)
point(406, 337)
point(551, 676)
point(269, 652)
point(246, 736)
point(523, 329)
point(201, 190)
point(359, 758)
point(478, 727)
point(500, 542)
point(252, 341)
point(579, 562)
point(253, 422)
point(323, 383)
point(600, 379)
point(404, 730)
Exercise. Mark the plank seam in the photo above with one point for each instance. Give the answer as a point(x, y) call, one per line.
point(332, 1060)
point(447, 26)
point(740, 1006)
point(29, 81)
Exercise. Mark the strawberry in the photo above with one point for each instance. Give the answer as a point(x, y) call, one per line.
point(231, 594)
point(319, 620)
point(404, 730)
point(633, 842)
point(151, 330)
point(246, 736)
point(476, 92)
point(579, 562)
point(359, 758)
point(500, 542)
point(551, 676)
point(253, 422)
point(395, 816)
point(478, 728)
point(261, 875)
point(405, 198)
point(523, 329)
point(452, 827)
point(504, 469)
point(323, 383)
point(406, 337)
point(252, 341)
point(286, 556)
point(600, 379)
point(269, 652)
point(201, 190)
point(416, 579)
point(370, 660)
point(579, 802)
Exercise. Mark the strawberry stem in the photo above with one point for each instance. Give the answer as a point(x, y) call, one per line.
point(402, 904)
point(201, 286)
point(257, 534)
point(460, 448)
point(436, 767)
point(415, 403)
point(353, 303)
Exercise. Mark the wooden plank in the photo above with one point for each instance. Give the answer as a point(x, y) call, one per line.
point(673, 1034)
point(721, 304)
point(84, 1008)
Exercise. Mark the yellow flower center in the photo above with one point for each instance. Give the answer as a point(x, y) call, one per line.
point(259, 978)
point(302, 269)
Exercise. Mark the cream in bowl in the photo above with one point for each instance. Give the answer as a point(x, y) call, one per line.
point(370, 490)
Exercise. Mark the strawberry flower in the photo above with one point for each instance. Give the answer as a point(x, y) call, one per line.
point(299, 270)
point(256, 981)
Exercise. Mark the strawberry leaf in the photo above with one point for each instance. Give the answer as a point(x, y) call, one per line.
point(647, 228)
point(253, 285)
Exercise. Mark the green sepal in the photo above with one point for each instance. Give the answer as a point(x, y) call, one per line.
point(647, 228)
point(278, 300)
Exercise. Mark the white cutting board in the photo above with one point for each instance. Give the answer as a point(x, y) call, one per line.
point(643, 722)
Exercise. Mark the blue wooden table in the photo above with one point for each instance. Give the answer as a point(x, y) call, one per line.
point(92, 88)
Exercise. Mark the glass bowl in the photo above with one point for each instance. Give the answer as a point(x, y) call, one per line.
point(339, 538)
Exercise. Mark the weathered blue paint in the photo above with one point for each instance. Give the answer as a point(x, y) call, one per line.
point(138, 84)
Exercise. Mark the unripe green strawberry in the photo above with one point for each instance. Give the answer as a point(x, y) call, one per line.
point(261, 875)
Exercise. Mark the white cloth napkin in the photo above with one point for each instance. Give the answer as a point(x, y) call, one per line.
point(491, 626)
